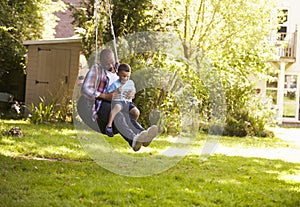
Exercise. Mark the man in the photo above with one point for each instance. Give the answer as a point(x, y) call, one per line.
point(95, 87)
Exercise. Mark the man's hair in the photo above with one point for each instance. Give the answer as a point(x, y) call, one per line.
point(124, 67)
point(105, 53)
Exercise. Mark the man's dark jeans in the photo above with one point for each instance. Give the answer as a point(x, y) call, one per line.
point(124, 123)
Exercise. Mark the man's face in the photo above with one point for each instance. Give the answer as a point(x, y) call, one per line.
point(124, 76)
point(109, 63)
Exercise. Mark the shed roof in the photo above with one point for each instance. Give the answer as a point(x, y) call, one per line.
point(52, 41)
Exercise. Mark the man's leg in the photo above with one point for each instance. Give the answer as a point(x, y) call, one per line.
point(129, 112)
point(122, 124)
point(103, 115)
point(152, 131)
point(125, 128)
point(136, 126)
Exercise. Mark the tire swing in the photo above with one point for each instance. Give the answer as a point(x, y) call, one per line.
point(167, 151)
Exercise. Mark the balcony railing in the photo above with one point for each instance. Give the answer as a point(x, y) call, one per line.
point(286, 45)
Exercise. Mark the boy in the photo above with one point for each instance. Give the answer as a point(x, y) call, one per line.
point(120, 102)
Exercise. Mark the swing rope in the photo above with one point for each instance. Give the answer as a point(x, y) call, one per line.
point(96, 17)
point(96, 26)
point(112, 31)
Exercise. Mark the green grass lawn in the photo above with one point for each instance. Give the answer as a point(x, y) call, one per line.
point(49, 167)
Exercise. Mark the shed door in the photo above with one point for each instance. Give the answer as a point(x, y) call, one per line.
point(53, 73)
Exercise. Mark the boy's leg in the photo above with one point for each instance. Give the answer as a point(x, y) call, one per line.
point(116, 109)
point(135, 112)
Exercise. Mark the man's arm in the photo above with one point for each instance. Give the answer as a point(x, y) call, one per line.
point(106, 96)
point(88, 87)
point(110, 92)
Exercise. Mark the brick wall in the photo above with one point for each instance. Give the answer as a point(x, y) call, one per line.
point(65, 28)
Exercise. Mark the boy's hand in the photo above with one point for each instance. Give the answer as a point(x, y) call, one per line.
point(129, 94)
point(119, 89)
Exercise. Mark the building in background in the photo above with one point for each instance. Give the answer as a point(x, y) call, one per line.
point(53, 64)
point(64, 27)
point(284, 86)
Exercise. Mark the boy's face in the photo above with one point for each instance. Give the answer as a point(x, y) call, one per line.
point(124, 76)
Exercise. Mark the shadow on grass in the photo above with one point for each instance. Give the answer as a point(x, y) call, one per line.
point(43, 141)
point(219, 181)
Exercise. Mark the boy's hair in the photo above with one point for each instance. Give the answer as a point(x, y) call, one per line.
point(124, 67)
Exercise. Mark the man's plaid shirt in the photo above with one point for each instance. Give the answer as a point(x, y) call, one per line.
point(95, 83)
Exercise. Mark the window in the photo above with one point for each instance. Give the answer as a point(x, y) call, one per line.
point(272, 84)
point(282, 18)
point(290, 101)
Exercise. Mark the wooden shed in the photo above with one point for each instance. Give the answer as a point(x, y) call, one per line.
point(52, 69)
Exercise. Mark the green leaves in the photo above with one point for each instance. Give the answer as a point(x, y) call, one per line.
point(223, 42)
point(52, 112)
point(22, 20)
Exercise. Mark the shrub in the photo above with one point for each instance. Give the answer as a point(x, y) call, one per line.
point(249, 117)
point(45, 112)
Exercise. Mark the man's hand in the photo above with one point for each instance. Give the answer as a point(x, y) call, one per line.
point(106, 96)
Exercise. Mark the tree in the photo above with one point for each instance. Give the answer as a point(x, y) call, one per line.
point(21, 20)
point(233, 36)
point(132, 16)
point(84, 22)
point(128, 17)
point(229, 35)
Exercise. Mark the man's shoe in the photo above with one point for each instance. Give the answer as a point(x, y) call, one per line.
point(138, 140)
point(152, 133)
point(109, 131)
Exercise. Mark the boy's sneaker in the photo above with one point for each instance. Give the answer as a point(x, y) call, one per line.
point(152, 133)
point(109, 131)
point(138, 140)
